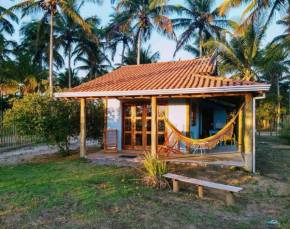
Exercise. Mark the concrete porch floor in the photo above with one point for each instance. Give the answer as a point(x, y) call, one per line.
point(220, 155)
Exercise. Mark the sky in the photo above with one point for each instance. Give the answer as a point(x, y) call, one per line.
point(165, 46)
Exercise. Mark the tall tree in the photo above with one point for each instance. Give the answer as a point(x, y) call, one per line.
point(7, 52)
point(283, 40)
point(144, 16)
point(70, 33)
point(93, 56)
point(116, 33)
point(93, 60)
point(62, 79)
point(22, 74)
point(6, 48)
point(241, 56)
point(274, 69)
point(5, 24)
point(146, 57)
point(256, 9)
point(201, 21)
point(35, 38)
point(50, 8)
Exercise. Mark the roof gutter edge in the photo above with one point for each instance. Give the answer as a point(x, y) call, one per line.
point(227, 89)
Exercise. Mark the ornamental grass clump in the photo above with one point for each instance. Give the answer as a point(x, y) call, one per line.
point(155, 168)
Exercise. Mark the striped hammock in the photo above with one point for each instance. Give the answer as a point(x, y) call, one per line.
point(207, 143)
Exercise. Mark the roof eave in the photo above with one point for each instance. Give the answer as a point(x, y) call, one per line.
point(183, 91)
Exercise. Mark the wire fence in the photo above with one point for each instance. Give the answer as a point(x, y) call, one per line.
point(10, 138)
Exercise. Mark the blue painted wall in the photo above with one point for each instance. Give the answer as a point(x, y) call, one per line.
point(220, 113)
point(194, 130)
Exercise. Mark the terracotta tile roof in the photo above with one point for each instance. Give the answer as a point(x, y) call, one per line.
point(196, 73)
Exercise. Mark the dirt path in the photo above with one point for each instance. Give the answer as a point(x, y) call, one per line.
point(28, 153)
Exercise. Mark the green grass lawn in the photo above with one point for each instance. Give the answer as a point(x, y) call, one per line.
point(73, 193)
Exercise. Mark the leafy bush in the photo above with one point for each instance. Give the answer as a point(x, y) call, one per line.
point(155, 168)
point(53, 121)
point(95, 119)
point(284, 132)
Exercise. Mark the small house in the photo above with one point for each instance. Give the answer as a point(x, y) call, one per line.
point(189, 94)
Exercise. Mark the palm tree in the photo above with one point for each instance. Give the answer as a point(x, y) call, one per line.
point(35, 39)
point(92, 55)
point(6, 48)
point(51, 8)
point(283, 41)
point(242, 55)
point(275, 69)
point(117, 33)
point(5, 25)
point(144, 16)
point(256, 10)
point(146, 57)
point(21, 74)
point(194, 47)
point(201, 22)
point(62, 79)
point(93, 60)
point(69, 32)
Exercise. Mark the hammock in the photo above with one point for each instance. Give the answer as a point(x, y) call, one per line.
point(207, 143)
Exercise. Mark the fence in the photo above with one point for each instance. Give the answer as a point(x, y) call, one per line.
point(9, 138)
point(286, 119)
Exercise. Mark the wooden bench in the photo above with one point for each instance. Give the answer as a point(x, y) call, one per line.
point(230, 198)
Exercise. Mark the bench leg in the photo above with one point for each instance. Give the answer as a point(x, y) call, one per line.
point(200, 191)
point(230, 198)
point(175, 185)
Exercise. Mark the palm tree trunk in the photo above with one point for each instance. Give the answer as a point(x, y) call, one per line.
point(278, 105)
point(69, 66)
point(91, 73)
point(139, 46)
point(123, 53)
point(51, 55)
point(200, 43)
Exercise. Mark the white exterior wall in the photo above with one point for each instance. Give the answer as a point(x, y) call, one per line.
point(114, 118)
point(177, 115)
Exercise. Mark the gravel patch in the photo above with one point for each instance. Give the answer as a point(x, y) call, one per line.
point(30, 152)
point(116, 162)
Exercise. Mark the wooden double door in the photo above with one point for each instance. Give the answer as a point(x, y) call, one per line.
point(137, 125)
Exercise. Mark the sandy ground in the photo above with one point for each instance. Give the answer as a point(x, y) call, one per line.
point(26, 154)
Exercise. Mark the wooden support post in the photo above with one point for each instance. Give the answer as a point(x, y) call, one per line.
point(83, 128)
point(154, 126)
point(240, 133)
point(105, 120)
point(106, 113)
point(175, 185)
point(248, 139)
point(230, 198)
point(200, 191)
point(187, 122)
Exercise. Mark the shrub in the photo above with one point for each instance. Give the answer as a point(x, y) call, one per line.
point(284, 132)
point(155, 168)
point(53, 121)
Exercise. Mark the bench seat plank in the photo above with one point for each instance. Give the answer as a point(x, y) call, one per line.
point(203, 183)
